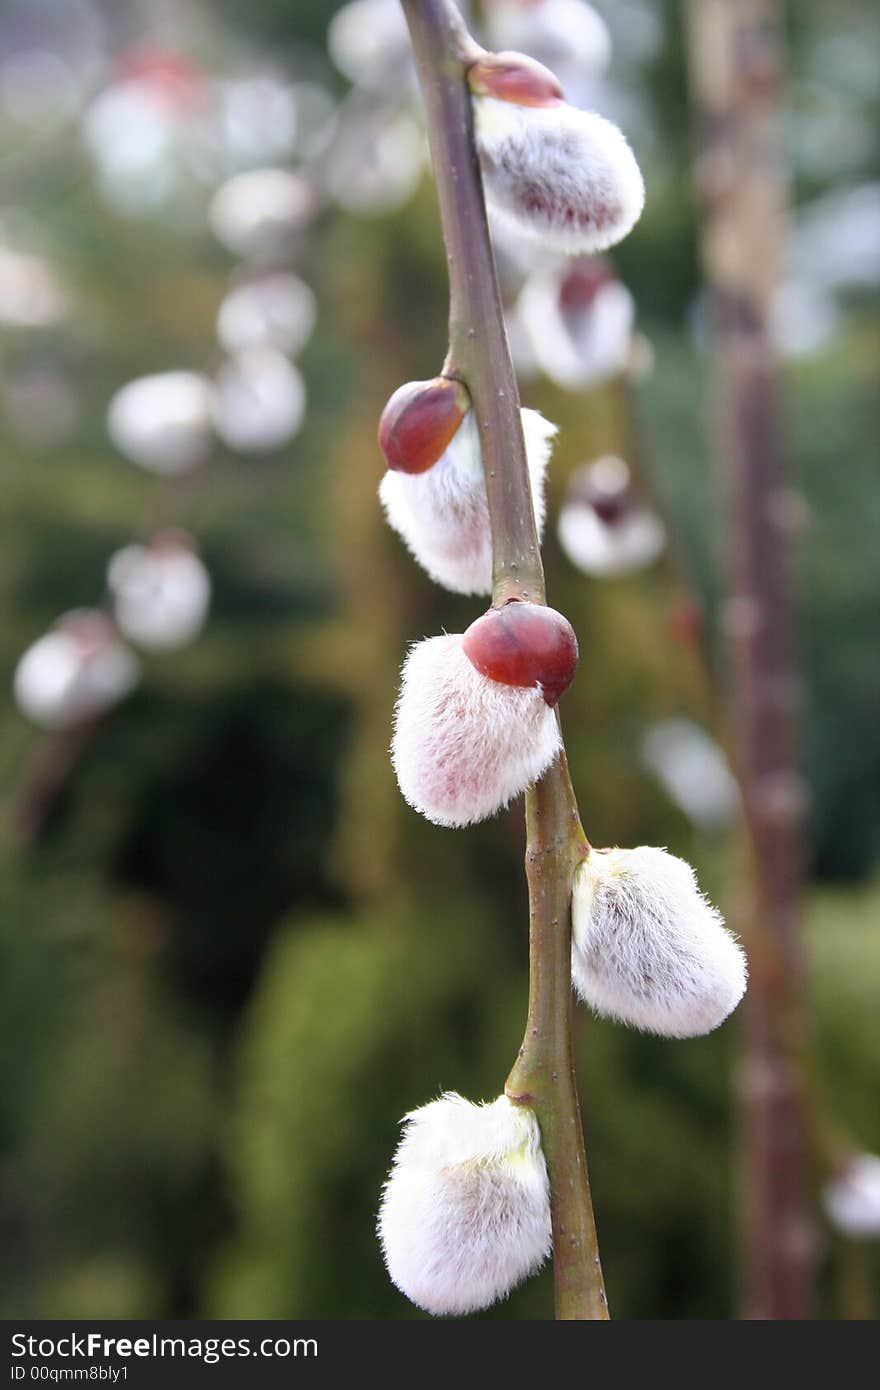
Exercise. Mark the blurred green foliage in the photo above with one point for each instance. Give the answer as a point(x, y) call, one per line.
point(235, 959)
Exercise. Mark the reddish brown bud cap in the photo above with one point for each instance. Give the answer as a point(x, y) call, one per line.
point(419, 422)
point(606, 487)
point(524, 644)
point(516, 78)
point(582, 282)
point(609, 506)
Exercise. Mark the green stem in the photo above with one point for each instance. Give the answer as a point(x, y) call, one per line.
point(543, 1075)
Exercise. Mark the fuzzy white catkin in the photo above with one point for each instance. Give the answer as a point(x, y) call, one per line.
point(74, 672)
point(276, 311)
point(160, 595)
point(563, 176)
point(561, 34)
point(464, 746)
point(694, 771)
point(375, 164)
point(443, 513)
point(465, 1213)
point(259, 400)
point(648, 948)
point(163, 422)
point(608, 549)
point(368, 41)
point(576, 350)
point(254, 214)
point(852, 1198)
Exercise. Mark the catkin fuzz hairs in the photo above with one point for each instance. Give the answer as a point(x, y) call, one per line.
point(558, 175)
point(465, 1213)
point(648, 948)
point(464, 745)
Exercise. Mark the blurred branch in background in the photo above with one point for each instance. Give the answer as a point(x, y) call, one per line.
point(736, 74)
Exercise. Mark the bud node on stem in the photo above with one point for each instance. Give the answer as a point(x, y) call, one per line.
point(524, 644)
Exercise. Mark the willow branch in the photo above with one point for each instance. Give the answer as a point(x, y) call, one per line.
point(735, 75)
point(47, 775)
point(543, 1076)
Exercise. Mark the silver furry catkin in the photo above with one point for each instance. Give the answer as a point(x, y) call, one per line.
point(161, 592)
point(556, 174)
point(577, 339)
point(604, 527)
point(163, 422)
point(443, 513)
point(607, 550)
point(464, 745)
point(852, 1198)
point(648, 948)
point(465, 1213)
point(79, 669)
point(568, 36)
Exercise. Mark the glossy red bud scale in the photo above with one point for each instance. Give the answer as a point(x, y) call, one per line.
point(419, 422)
point(524, 644)
point(515, 78)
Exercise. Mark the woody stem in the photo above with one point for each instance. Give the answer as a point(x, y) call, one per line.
point(543, 1075)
